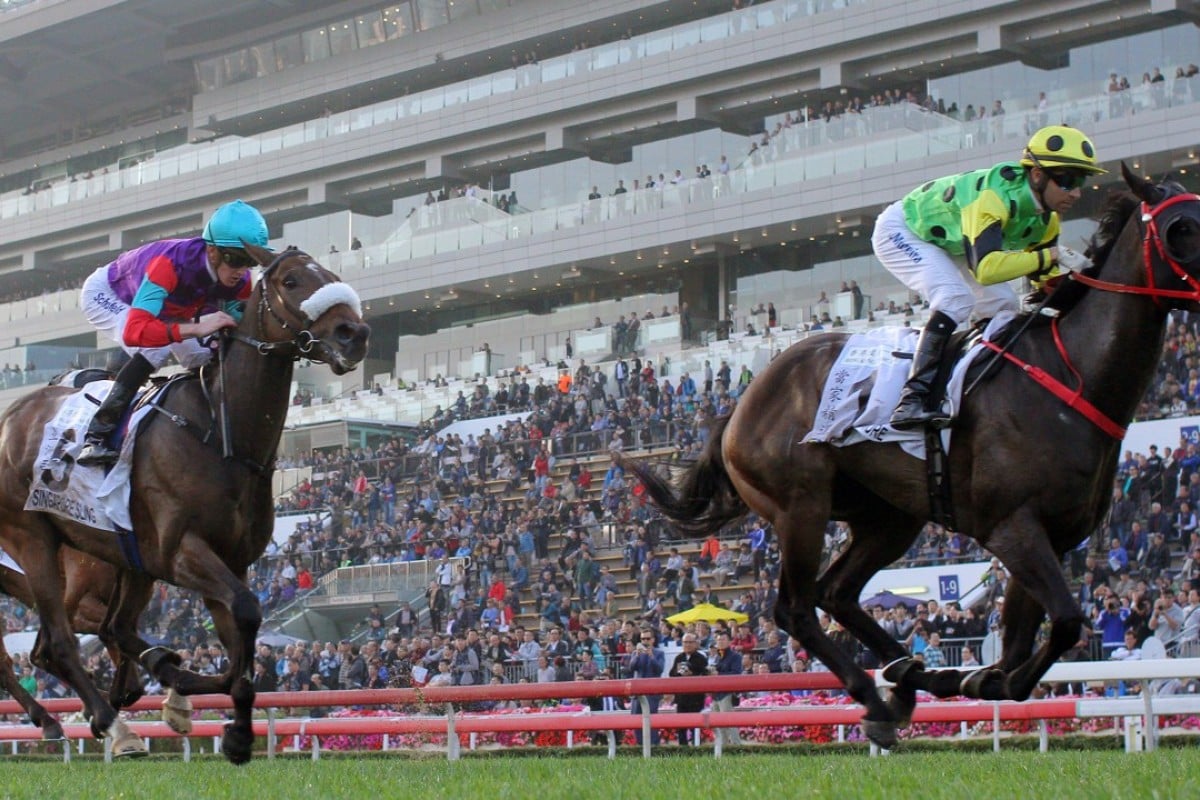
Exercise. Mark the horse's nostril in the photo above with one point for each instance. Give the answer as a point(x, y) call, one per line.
point(352, 333)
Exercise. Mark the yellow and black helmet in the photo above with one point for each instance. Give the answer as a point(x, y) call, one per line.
point(1061, 147)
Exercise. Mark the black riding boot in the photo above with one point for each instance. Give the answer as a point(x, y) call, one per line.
point(921, 400)
point(96, 449)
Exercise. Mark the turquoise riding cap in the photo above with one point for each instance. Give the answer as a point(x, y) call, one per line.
point(236, 223)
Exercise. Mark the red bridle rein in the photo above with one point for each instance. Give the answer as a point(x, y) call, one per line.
point(1151, 243)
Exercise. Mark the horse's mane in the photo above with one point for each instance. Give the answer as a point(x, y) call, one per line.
point(1117, 208)
point(1112, 220)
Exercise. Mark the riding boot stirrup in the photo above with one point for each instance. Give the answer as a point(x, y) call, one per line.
point(97, 450)
point(921, 399)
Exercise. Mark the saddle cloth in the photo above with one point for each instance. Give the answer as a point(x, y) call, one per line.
point(82, 494)
point(7, 561)
point(864, 386)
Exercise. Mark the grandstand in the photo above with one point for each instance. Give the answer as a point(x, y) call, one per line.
point(504, 180)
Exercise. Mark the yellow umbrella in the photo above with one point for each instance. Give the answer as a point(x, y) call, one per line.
point(706, 612)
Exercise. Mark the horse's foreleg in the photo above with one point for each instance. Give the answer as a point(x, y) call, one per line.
point(989, 683)
point(118, 631)
point(1038, 584)
point(186, 682)
point(238, 616)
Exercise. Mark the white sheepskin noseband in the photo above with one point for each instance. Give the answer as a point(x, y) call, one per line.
point(328, 296)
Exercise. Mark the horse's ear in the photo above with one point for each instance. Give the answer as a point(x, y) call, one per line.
point(1144, 188)
point(260, 254)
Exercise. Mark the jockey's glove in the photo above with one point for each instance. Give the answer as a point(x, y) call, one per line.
point(1072, 260)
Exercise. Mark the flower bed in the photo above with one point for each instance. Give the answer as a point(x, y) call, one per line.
point(813, 734)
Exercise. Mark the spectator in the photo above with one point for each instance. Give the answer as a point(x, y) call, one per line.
point(934, 656)
point(725, 660)
point(690, 662)
point(647, 662)
point(1111, 624)
point(1167, 619)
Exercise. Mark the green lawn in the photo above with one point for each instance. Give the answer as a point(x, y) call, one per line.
point(1063, 775)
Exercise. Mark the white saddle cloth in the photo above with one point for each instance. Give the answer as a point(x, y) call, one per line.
point(866, 364)
point(86, 495)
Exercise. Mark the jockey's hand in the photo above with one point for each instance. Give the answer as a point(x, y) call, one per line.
point(207, 325)
point(1069, 260)
point(211, 323)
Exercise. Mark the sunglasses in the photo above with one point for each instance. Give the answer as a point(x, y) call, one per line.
point(1067, 180)
point(238, 259)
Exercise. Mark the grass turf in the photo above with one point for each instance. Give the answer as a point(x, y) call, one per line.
point(1061, 775)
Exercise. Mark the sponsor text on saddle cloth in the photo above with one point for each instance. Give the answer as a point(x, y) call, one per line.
point(82, 494)
point(866, 364)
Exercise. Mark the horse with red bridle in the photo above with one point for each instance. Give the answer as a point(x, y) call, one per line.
point(200, 498)
point(1031, 465)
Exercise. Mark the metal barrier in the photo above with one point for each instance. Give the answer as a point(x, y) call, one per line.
point(1140, 713)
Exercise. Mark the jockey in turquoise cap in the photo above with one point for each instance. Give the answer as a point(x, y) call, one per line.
point(159, 299)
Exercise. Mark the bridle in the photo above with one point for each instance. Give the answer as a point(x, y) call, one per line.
point(1152, 243)
point(300, 345)
point(302, 342)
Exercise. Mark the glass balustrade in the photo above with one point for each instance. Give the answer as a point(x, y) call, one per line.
point(813, 150)
point(190, 158)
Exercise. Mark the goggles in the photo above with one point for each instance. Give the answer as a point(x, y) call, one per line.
point(238, 259)
point(1067, 180)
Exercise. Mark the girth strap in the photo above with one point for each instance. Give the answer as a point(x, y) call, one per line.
point(937, 472)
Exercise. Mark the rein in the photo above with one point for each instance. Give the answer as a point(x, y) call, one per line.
point(1151, 243)
point(300, 345)
point(1073, 398)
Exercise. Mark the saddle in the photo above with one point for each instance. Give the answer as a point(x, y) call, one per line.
point(79, 378)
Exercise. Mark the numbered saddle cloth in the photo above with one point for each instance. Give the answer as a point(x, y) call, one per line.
point(82, 494)
point(864, 386)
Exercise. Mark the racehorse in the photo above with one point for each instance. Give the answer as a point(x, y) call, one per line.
point(200, 500)
point(1030, 476)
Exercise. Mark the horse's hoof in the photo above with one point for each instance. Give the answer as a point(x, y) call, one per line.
point(125, 743)
point(880, 732)
point(901, 668)
point(237, 743)
point(97, 731)
point(984, 684)
point(177, 713)
point(52, 731)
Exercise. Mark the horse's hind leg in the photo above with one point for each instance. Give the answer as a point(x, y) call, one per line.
point(802, 536)
point(51, 729)
point(14, 585)
point(880, 534)
point(1024, 548)
point(117, 629)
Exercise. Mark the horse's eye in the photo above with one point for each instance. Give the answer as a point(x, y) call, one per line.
point(290, 283)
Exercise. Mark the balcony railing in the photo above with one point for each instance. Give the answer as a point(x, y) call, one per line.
point(192, 158)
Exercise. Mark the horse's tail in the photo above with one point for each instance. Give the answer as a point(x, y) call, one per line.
point(705, 500)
